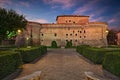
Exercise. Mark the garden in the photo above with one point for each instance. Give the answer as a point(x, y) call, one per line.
point(12, 58)
point(109, 57)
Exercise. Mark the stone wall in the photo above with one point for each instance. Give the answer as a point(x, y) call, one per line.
point(118, 38)
point(91, 33)
point(72, 19)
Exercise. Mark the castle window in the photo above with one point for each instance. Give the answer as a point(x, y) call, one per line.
point(66, 40)
point(71, 40)
point(73, 31)
point(84, 36)
point(66, 34)
point(42, 34)
point(55, 34)
point(66, 21)
point(84, 31)
point(69, 20)
point(70, 34)
point(73, 22)
point(68, 28)
point(76, 40)
point(75, 34)
point(80, 36)
point(80, 31)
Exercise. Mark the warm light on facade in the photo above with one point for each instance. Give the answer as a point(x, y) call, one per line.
point(27, 38)
point(107, 31)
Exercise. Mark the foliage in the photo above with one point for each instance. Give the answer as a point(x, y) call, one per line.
point(112, 62)
point(10, 22)
point(54, 44)
point(114, 46)
point(96, 55)
point(30, 54)
point(80, 48)
point(68, 44)
point(111, 37)
point(9, 62)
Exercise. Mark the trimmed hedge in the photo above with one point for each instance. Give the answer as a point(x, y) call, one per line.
point(9, 62)
point(112, 62)
point(30, 54)
point(68, 44)
point(54, 44)
point(96, 55)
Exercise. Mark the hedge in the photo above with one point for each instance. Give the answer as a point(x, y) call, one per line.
point(54, 44)
point(68, 44)
point(96, 55)
point(112, 62)
point(9, 62)
point(30, 54)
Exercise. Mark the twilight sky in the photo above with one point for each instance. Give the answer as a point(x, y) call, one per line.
point(45, 11)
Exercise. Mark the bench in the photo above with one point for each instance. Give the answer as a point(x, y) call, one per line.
point(34, 76)
point(92, 76)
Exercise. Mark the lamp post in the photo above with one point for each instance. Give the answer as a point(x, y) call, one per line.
point(19, 31)
point(31, 41)
point(18, 38)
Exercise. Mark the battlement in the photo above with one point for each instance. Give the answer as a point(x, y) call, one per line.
point(72, 19)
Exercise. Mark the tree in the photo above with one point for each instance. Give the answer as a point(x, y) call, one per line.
point(111, 37)
point(10, 22)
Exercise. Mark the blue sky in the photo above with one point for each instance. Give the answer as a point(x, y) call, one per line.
point(45, 11)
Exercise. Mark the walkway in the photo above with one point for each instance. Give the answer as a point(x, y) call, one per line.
point(64, 64)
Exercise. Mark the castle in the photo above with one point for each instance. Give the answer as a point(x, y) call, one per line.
point(75, 28)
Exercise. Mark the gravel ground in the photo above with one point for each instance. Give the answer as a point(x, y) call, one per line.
point(65, 64)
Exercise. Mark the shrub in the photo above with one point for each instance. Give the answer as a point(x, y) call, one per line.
point(68, 44)
point(9, 62)
point(80, 48)
point(113, 46)
point(30, 54)
point(95, 54)
point(112, 62)
point(54, 44)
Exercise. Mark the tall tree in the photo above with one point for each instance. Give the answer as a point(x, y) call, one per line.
point(10, 22)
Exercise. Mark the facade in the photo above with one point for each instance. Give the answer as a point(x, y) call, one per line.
point(75, 28)
point(118, 38)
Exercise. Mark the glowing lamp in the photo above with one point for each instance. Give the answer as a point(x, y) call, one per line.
point(19, 31)
point(27, 38)
point(107, 31)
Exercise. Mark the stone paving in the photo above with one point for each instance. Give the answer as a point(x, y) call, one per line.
point(65, 64)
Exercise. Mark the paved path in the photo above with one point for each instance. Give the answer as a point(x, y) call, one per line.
point(65, 64)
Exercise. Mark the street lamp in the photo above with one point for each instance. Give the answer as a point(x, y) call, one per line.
point(19, 31)
point(106, 31)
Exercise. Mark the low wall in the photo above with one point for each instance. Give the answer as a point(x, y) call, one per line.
point(34, 76)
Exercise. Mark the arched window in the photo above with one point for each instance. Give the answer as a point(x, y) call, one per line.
point(55, 34)
point(84, 31)
point(75, 34)
point(42, 34)
point(66, 34)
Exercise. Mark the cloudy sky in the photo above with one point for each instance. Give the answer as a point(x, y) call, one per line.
point(45, 11)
